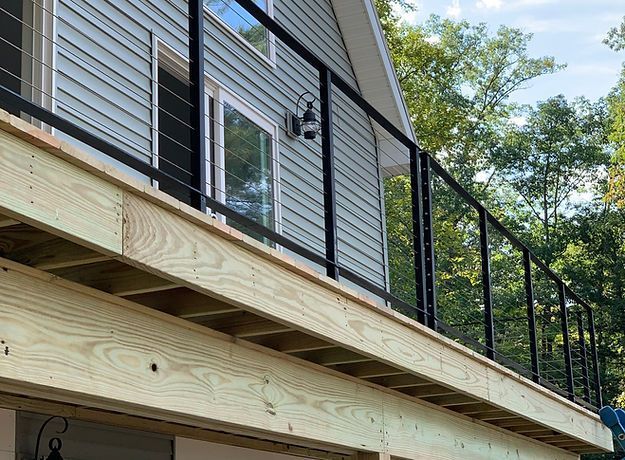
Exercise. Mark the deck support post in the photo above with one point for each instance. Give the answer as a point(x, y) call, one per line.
point(595, 356)
point(417, 236)
point(583, 356)
point(428, 239)
point(489, 323)
point(198, 109)
point(531, 314)
point(329, 185)
point(566, 343)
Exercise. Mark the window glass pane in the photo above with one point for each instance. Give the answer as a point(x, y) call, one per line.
point(249, 181)
point(174, 135)
point(241, 21)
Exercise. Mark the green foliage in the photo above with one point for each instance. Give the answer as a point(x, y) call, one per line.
point(616, 103)
point(559, 152)
point(457, 79)
point(616, 37)
point(543, 178)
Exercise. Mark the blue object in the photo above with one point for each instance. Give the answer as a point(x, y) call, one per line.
point(614, 419)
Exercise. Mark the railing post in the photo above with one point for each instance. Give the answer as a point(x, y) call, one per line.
point(417, 235)
point(198, 109)
point(489, 322)
point(329, 185)
point(566, 343)
point(428, 240)
point(531, 315)
point(583, 356)
point(594, 356)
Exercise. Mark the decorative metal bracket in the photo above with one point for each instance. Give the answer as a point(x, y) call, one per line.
point(55, 444)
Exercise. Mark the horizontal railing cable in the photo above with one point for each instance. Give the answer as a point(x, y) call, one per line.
point(316, 185)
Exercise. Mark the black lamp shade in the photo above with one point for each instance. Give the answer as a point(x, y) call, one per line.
point(310, 125)
point(55, 445)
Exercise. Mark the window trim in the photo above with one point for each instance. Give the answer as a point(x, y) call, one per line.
point(163, 53)
point(223, 94)
point(268, 60)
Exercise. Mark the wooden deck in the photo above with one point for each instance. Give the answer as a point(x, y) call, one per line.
point(115, 296)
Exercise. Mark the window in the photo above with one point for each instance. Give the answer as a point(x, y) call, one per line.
point(241, 146)
point(245, 167)
point(11, 45)
point(174, 132)
point(239, 20)
point(26, 49)
point(248, 167)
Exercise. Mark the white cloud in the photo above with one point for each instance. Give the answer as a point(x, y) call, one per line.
point(518, 121)
point(433, 40)
point(531, 3)
point(555, 25)
point(408, 16)
point(594, 69)
point(489, 4)
point(454, 10)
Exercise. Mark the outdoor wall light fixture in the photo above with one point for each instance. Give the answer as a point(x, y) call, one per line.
point(307, 124)
point(55, 444)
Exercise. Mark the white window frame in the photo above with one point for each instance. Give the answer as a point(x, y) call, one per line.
point(220, 94)
point(270, 59)
point(40, 69)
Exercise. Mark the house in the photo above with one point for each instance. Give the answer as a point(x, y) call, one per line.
point(195, 259)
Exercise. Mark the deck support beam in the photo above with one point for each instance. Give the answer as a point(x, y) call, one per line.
point(202, 261)
point(109, 356)
point(65, 192)
point(373, 456)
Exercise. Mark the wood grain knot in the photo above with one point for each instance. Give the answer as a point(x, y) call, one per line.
point(269, 408)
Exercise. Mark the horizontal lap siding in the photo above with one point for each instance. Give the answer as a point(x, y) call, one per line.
point(90, 441)
point(103, 81)
point(359, 210)
point(111, 83)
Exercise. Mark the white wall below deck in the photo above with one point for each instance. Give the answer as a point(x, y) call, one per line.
point(7, 434)
point(190, 449)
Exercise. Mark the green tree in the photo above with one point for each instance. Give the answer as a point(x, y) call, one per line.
point(593, 262)
point(457, 79)
point(557, 154)
point(616, 101)
point(616, 37)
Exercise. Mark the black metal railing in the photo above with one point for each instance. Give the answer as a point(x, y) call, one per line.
point(525, 318)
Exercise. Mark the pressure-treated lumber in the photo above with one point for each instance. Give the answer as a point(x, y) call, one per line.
point(183, 303)
point(115, 278)
point(370, 456)
point(199, 259)
point(115, 353)
point(328, 310)
point(291, 342)
point(17, 403)
point(367, 370)
point(21, 237)
point(38, 188)
point(55, 254)
point(242, 324)
point(332, 356)
point(432, 389)
point(399, 381)
point(7, 222)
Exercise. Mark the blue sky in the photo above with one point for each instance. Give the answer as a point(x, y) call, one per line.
point(569, 30)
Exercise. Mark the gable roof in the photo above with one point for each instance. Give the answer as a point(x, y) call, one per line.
point(374, 70)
